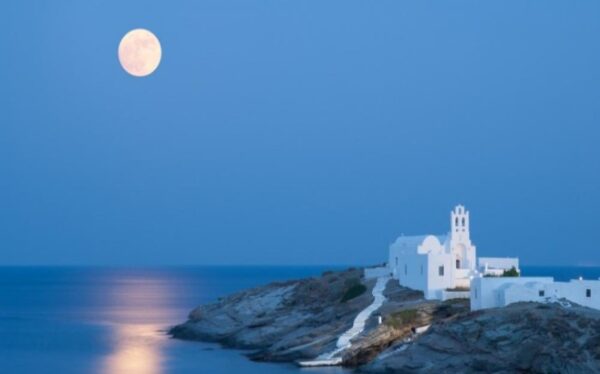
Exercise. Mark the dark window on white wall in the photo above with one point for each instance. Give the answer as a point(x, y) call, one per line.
point(441, 271)
point(588, 292)
point(457, 263)
point(541, 293)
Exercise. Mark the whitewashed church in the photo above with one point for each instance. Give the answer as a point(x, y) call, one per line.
point(442, 266)
point(446, 267)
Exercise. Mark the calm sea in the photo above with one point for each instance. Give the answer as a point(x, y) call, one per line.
point(113, 320)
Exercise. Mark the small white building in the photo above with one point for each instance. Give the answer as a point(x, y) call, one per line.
point(494, 292)
point(436, 263)
point(489, 292)
point(497, 265)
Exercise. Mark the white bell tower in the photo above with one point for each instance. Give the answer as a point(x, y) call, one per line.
point(460, 239)
point(460, 223)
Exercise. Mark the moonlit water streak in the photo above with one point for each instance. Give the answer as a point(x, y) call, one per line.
point(114, 320)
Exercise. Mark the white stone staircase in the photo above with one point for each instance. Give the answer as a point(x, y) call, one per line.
point(345, 340)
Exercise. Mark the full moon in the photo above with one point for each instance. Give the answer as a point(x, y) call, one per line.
point(140, 52)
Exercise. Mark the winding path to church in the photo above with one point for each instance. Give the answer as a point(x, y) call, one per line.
point(344, 341)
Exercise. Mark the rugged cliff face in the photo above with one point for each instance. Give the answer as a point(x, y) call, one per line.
point(283, 321)
point(520, 338)
point(302, 319)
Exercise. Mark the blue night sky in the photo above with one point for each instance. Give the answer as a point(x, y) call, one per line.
point(298, 132)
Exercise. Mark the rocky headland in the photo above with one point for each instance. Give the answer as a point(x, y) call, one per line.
point(302, 319)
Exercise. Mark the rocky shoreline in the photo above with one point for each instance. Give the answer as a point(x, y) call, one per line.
point(302, 319)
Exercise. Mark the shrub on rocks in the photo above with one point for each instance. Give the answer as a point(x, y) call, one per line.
point(353, 292)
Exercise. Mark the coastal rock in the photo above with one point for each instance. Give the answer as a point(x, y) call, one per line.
point(282, 321)
point(302, 319)
point(296, 320)
point(523, 337)
point(401, 319)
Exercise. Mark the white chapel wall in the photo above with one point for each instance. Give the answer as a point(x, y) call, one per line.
point(488, 292)
point(582, 292)
point(412, 272)
point(440, 275)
